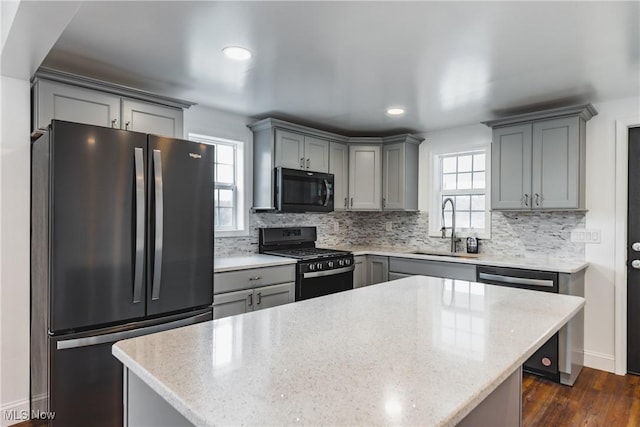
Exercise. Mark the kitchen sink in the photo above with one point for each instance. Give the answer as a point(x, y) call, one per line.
point(450, 254)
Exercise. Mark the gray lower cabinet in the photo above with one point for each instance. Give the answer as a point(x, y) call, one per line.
point(232, 303)
point(377, 269)
point(396, 276)
point(448, 270)
point(360, 272)
point(241, 291)
point(538, 160)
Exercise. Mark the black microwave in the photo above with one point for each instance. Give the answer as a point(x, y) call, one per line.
point(303, 191)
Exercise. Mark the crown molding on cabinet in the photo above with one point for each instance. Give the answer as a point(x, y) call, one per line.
point(584, 111)
point(120, 90)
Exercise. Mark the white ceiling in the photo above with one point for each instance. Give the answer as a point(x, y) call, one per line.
point(341, 64)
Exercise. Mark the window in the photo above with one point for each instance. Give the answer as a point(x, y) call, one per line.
point(463, 177)
point(229, 202)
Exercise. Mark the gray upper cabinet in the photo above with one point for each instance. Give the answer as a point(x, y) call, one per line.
point(365, 177)
point(289, 149)
point(149, 118)
point(363, 167)
point(59, 101)
point(297, 151)
point(62, 96)
point(538, 160)
point(511, 167)
point(339, 167)
point(400, 174)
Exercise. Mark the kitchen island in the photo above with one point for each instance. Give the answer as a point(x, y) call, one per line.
point(414, 351)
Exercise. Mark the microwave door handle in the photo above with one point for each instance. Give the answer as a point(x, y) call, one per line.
point(327, 191)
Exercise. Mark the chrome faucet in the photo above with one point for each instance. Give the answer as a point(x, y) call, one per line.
point(453, 223)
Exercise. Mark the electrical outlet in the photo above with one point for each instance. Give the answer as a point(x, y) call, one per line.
point(389, 225)
point(582, 235)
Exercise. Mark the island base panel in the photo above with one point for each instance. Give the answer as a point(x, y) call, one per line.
point(503, 407)
point(145, 407)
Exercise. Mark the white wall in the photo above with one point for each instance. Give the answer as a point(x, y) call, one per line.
point(600, 199)
point(221, 124)
point(14, 248)
point(600, 192)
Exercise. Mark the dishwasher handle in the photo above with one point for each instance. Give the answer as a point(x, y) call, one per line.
point(498, 278)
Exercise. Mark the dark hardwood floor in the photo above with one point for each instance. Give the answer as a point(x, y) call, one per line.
point(598, 399)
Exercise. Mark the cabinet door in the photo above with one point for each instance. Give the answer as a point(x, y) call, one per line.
point(377, 269)
point(271, 296)
point(290, 150)
point(360, 272)
point(339, 167)
point(317, 154)
point(232, 303)
point(393, 185)
point(365, 177)
point(511, 168)
point(556, 159)
point(74, 104)
point(149, 118)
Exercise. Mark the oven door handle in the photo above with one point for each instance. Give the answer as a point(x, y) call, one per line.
point(329, 272)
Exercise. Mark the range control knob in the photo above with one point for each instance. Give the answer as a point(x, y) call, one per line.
point(312, 267)
point(347, 262)
point(341, 262)
point(330, 264)
point(319, 266)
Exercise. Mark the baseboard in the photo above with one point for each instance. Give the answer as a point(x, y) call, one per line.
point(14, 412)
point(600, 361)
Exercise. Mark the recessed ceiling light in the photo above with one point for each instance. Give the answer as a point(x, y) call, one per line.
point(236, 52)
point(395, 111)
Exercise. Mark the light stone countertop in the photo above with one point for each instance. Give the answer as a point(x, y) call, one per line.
point(414, 351)
point(542, 263)
point(244, 262)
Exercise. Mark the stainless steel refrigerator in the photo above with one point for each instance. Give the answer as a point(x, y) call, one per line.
point(121, 246)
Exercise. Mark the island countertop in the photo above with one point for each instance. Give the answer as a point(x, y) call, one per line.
point(414, 351)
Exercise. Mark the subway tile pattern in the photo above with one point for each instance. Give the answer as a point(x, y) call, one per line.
point(519, 234)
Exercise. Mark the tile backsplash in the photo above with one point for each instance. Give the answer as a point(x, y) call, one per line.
point(525, 234)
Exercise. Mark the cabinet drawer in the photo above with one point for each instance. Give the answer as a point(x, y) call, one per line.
point(253, 278)
point(449, 270)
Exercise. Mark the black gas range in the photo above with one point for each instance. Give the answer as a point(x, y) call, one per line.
point(319, 271)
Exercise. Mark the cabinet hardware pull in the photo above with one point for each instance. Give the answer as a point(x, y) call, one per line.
point(384, 202)
point(250, 296)
point(255, 278)
point(537, 199)
point(352, 202)
point(526, 200)
point(114, 123)
point(308, 163)
point(259, 298)
point(301, 162)
point(126, 125)
point(346, 203)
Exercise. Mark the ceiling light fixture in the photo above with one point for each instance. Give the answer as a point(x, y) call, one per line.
point(237, 53)
point(395, 111)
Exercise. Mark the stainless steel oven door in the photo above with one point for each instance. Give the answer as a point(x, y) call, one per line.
point(318, 283)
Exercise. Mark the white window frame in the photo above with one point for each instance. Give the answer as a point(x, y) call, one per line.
point(242, 182)
point(435, 186)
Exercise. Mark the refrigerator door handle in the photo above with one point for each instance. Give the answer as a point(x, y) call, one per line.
point(140, 217)
point(157, 257)
point(117, 336)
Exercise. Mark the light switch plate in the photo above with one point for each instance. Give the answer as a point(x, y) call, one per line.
point(583, 235)
point(389, 225)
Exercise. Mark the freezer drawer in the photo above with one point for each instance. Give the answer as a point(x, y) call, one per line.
point(85, 380)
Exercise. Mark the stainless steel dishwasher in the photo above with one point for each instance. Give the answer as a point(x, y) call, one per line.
point(562, 357)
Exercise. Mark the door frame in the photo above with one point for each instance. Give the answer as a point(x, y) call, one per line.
point(620, 246)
